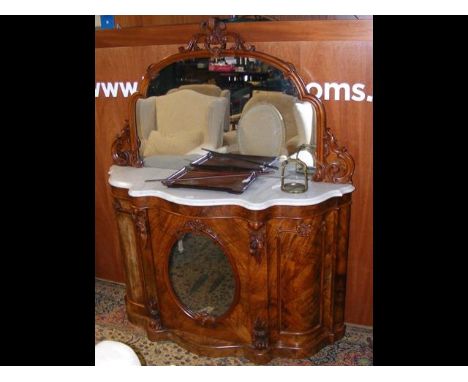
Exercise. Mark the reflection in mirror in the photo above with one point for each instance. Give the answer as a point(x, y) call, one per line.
point(218, 104)
point(240, 75)
point(201, 275)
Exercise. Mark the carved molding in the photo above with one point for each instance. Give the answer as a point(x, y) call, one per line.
point(140, 219)
point(337, 165)
point(205, 319)
point(155, 322)
point(117, 206)
point(122, 152)
point(256, 245)
point(304, 229)
point(214, 38)
point(260, 334)
point(323, 225)
point(256, 240)
point(198, 225)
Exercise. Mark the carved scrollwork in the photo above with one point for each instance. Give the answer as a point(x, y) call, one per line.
point(198, 225)
point(256, 245)
point(153, 309)
point(122, 152)
point(260, 334)
point(117, 206)
point(304, 229)
point(215, 37)
point(205, 319)
point(323, 226)
point(140, 219)
point(338, 164)
point(256, 240)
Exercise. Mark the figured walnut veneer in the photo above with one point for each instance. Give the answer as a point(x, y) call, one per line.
point(289, 264)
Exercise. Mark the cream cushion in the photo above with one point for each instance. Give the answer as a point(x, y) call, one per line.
point(177, 143)
point(145, 119)
point(207, 89)
point(230, 138)
point(211, 90)
point(261, 131)
point(183, 123)
point(304, 115)
point(298, 116)
point(283, 102)
point(187, 110)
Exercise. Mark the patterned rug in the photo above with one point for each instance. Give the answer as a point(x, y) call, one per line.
point(111, 323)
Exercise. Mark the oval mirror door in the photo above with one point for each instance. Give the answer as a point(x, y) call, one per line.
point(201, 276)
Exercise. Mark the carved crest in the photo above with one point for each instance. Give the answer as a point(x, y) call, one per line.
point(122, 152)
point(214, 38)
point(338, 165)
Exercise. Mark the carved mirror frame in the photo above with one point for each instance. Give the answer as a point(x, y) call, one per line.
point(333, 163)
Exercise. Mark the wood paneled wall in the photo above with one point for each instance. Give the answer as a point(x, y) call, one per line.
point(322, 51)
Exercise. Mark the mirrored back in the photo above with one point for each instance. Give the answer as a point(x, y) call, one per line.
point(201, 97)
point(242, 76)
point(246, 83)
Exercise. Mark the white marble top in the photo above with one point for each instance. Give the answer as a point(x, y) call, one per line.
point(264, 192)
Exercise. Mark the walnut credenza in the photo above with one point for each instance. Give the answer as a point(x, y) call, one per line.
point(288, 254)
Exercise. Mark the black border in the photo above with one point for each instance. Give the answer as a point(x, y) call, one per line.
point(419, 276)
point(48, 249)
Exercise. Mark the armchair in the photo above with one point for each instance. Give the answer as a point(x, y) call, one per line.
point(298, 117)
point(261, 131)
point(210, 90)
point(180, 123)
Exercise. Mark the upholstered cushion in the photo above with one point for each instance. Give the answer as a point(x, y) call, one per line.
point(178, 143)
point(305, 121)
point(261, 131)
point(207, 89)
point(283, 102)
point(230, 138)
point(210, 90)
point(187, 111)
point(145, 119)
point(293, 144)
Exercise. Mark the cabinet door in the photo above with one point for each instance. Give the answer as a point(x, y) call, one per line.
point(299, 277)
point(208, 281)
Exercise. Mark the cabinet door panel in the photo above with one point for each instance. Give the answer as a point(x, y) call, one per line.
point(229, 237)
point(298, 246)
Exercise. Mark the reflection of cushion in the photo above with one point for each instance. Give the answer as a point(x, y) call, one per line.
point(283, 102)
point(207, 89)
point(230, 138)
point(293, 144)
point(145, 119)
point(261, 131)
point(187, 110)
point(177, 143)
point(210, 90)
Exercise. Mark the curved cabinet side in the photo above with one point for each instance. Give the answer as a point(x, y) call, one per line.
point(135, 293)
point(341, 267)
